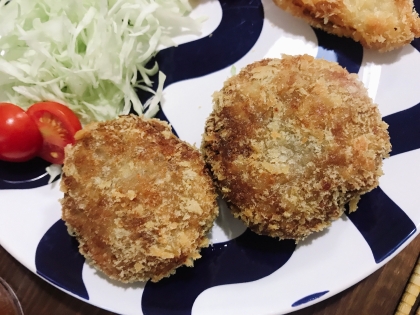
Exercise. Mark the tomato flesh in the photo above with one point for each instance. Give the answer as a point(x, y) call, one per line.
point(58, 125)
point(20, 139)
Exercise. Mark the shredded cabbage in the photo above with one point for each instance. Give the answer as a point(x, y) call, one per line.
point(87, 54)
point(233, 70)
point(53, 170)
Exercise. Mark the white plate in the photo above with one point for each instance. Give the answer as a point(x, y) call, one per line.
point(241, 273)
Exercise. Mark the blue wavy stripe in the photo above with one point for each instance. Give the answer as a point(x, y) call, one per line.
point(58, 260)
point(309, 298)
point(247, 258)
point(345, 51)
point(383, 224)
point(236, 34)
point(417, 5)
point(416, 43)
point(25, 175)
point(404, 130)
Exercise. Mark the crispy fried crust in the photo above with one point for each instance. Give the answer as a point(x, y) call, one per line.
point(378, 24)
point(291, 141)
point(138, 199)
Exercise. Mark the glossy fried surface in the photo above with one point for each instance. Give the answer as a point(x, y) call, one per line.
point(378, 24)
point(291, 141)
point(138, 199)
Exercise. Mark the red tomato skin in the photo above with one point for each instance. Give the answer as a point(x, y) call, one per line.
point(65, 114)
point(20, 139)
point(57, 124)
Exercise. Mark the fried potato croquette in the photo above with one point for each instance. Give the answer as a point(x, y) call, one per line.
point(378, 24)
point(291, 141)
point(139, 200)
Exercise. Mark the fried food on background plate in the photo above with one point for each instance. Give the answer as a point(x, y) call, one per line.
point(290, 141)
point(378, 24)
point(139, 200)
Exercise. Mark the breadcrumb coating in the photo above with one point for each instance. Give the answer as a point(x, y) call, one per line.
point(291, 141)
point(378, 24)
point(139, 200)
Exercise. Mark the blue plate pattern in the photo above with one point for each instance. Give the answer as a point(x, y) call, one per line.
point(58, 260)
point(23, 175)
point(309, 298)
point(246, 258)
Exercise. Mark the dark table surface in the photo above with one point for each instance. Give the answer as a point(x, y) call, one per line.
point(377, 294)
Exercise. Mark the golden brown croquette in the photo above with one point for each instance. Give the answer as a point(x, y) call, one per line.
point(378, 24)
point(290, 141)
point(139, 200)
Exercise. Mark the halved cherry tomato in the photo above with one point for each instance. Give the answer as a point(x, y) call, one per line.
point(57, 124)
point(20, 139)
